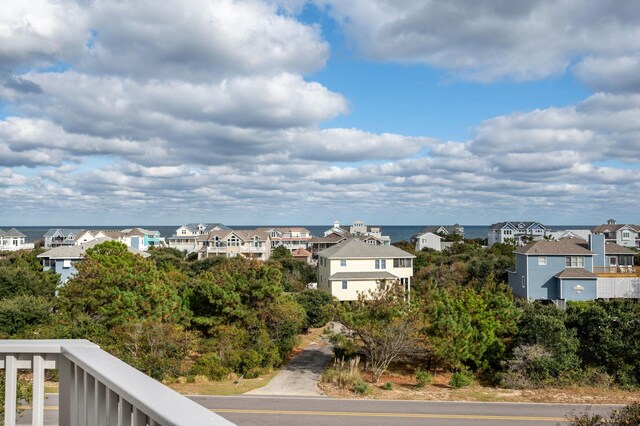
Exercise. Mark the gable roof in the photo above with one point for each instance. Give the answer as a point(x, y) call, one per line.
point(564, 246)
point(355, 248)
point(193, 227)
point(65, 232)
point(516, 225)
point(603, 229)
point(13, 232)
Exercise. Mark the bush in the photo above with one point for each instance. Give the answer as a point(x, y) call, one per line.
point(387, 386)
point(342, 374)
point(318, 305)
point(361, 388)
point(343, 347)
point(627, 416)
point(461, 379)
point(210, 365)
point(423, 378)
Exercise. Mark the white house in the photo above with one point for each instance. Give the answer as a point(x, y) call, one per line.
point(249, 243)
point(293, 238)
point(622, 234)
point(428, 240)
point(13, 240)
point(186, 237)
point(358, 228)
point(515, 232)
point(354, 267)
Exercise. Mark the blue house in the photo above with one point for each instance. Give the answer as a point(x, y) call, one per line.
point(574, 269)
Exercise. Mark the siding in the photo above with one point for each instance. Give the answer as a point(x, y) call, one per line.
point(589, 292)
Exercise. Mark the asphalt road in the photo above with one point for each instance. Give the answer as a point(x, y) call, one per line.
point(248, 410)
point(261, 410)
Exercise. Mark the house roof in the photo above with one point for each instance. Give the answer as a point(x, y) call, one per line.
point(13, 232)
point(193, 227)
point(453, 229)
point(613, 248)
point(77, 251)
point(64, 231)
point(563, 246)
point(603, 229)
point(372, 275)
point(575, 273)
point(355, 248)
point(515, 225)
point(301, 253)
point(243, 234)
point(571, 233)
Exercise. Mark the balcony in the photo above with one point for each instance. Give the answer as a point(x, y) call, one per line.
point(618, 271)
point(96, 388)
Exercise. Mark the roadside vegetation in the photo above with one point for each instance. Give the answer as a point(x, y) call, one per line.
point(172, 318)
point(189, 322)
point(463, 328)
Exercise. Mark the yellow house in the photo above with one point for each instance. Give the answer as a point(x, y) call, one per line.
point(354, 266)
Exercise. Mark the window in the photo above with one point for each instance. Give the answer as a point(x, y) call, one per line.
point(542, 260)
point(183, 232)
point(66, 263)
point(626, 235)
point(574, 262)
point(381, 264)
point(344, 285)
point(402, 263)
point(343, 262)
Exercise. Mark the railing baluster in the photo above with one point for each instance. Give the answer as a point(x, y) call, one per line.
point(81, 400)
point(125, 413)
point(101, 403)
point(139, 418)
point(67, 393)
point(10, 389)
point(112, 408)
point(90, 401)
point(38, 391)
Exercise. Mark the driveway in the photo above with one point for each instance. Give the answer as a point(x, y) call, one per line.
point(301, 375)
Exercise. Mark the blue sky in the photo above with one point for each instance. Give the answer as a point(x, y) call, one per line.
point(303, 112)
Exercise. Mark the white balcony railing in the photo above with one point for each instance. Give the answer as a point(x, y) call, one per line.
point(96, 388)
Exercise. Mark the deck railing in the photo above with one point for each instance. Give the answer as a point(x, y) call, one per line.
point(96, 388)
point(629, 270)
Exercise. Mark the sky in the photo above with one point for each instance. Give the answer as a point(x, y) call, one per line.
point(393, 112)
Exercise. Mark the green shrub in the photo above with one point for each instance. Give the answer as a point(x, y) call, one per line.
point(461, 379)
point(387, 386)
point(343, 347)
point(361, 388)
point(423, 378)
point(210, 365)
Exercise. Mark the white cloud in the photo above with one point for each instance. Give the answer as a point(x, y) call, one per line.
point(487, 40)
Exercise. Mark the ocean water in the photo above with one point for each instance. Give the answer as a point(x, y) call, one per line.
point(395, 232)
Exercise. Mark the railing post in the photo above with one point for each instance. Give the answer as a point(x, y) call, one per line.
point(10, 389)
point(66, 393)
point(38, 390)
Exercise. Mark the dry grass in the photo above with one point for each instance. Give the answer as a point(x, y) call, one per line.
point(203, 386)
point(404, 388)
